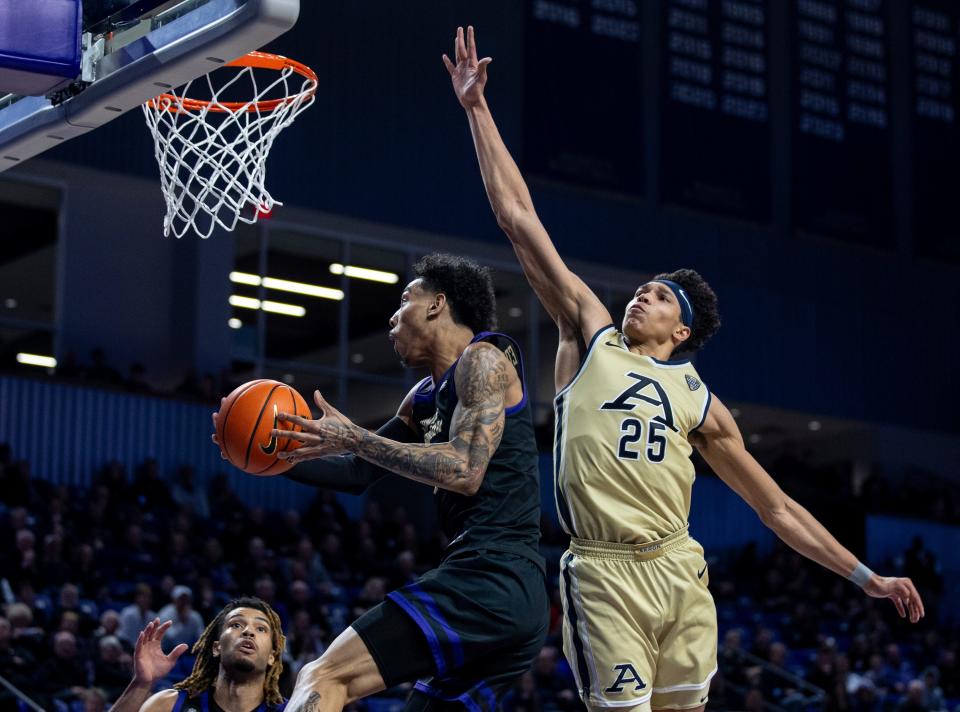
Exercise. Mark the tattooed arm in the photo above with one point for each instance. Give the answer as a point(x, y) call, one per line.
point(482, 378)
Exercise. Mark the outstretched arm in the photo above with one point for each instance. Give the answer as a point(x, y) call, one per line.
point(563, 294)
point(482, 378)
point(721, 444)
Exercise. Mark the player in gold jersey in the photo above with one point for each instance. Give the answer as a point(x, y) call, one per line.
point(640, 627)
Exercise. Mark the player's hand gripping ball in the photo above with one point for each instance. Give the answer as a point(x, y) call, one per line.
point(245, 420)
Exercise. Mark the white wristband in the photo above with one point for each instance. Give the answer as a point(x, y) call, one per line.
point(861, 575)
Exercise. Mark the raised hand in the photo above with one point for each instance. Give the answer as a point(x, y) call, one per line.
point(469, 75)
point(149, 662)
point(330, 434)
point(899, 590)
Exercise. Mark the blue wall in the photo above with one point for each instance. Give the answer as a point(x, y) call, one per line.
point(67, 433)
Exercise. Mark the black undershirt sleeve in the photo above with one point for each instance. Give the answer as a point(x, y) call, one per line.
point(349, 473)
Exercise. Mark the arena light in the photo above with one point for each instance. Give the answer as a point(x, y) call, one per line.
point(286, 285)
point(281, 308)
point(245, 278)
point(274, 307)
point(373, 275)
point(36, 360)
point(234, 323)
point(311, 290)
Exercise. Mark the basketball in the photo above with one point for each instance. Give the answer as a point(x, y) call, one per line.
point(245, 420)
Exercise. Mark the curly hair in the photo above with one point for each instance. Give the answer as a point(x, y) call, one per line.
point(706, 317)
point(207, 667)
point(467, 285)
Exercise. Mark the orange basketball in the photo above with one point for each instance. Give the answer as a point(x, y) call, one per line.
point(245, 420)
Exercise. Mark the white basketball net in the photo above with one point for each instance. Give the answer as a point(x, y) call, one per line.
point(213, 153)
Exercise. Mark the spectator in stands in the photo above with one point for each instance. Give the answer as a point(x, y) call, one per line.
point(25, 634)
point(188, 495)
point(214, 565)
point(524, 697)
point(913, 701)
point(94, 700)
point(85, 571)
point(26, 564)
point(64, 675)
point(69, 602)
point(186, 624)
point(933, 698)
point(949, 673)
point(150, 489)
point(109, 626)
point(305, 641)
point(17, 664)
point(556, 691)
point(111, 669)
point(135, 617)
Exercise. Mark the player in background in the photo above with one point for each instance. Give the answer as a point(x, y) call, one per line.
point(237, 668)
point(640, 626)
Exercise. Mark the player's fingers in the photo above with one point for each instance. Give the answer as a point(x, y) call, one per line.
point(915, 597)
point(298, 435)
point(461, 47)
point(482, 67)
point(178, 651)
point(291, 418)
point(898, 603)
point(471, 44)
point(322, 404)
point(451, 67)
point(162, 629)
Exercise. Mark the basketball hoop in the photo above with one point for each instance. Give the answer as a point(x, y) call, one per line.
point(213, 152)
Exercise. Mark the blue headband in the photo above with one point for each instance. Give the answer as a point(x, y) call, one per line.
point(686, 307)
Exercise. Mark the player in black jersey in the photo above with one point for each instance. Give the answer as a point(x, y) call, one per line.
point(237, 668)
point(470, 627)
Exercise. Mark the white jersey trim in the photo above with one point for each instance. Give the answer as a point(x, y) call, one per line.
point(584, 634)
point(704, 412)
point(632, 702)
point(687, 688)
point(586, 359)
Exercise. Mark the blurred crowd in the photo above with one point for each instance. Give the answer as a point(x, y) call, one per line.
point(82, 571)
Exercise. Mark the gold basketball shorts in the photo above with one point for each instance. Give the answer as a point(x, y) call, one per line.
point(640, 625)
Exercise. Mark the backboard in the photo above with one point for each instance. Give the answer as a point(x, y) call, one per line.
point(134, 50)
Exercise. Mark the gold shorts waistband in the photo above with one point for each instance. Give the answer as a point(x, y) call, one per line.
point(628, 552)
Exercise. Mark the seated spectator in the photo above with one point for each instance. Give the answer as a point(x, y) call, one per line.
point(17, 663)
point(913, 700)
point(69, 602)
point(64, 675)
point(112, 667)
point(135, 617)
point(187, 624)
point(109, 626)
point(24, 633)
point(933, 697)
point(188, 495)
point(94, 700)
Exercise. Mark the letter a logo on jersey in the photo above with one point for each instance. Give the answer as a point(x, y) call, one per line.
point(626, 675)
point(627, 399)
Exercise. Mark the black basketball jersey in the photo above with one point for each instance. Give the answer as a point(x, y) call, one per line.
point(204, 702)
point(504, 514)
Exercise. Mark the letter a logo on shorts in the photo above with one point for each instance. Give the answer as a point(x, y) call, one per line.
point(626, 675)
